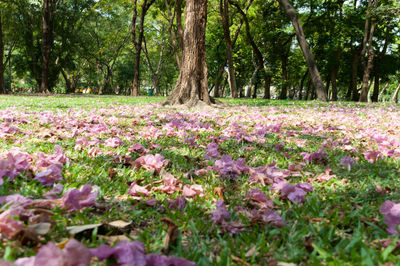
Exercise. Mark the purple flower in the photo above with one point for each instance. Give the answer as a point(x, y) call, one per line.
point(347, 162)
point(220, 213)
point(392, 218)
point(372, 156)
point(316, 157)
point(76, 199)
point(74, 254)
point(151, 162)
point(260, 198)
point(212, 151)
point(230, 168)
point(114, 142)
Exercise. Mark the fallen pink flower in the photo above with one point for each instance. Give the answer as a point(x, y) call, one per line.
point(136, 190)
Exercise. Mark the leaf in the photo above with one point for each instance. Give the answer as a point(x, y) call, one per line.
point(40, 228)
point(389, 249)
point(172, 233)
point(240, 261)
point(252, 252)
point(117, 227)
point(76, 229)
point(219, 191)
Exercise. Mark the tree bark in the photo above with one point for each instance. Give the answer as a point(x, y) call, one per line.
point(2, 67)
point(138, 43)
point(48, 11)
point(191, 88)
point(314, 73)
point(224, 10)
point(218, 80)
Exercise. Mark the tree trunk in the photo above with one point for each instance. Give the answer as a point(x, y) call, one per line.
point(314, 73)
point(192, 87)
point(302, 85)
point(365, 85)
point(283, 95)
point(256, 50)
point(381, 54)
point(2, 67)
point(223, 4)
point(334, 73)
point(68, 83)
point(176, 41)
point(138, 43)
point(395, 97)
point(47, 42)
point(353, 81)
point(218, 80)
point(383, 91)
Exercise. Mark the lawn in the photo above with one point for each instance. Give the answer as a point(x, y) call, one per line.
point(126, 180)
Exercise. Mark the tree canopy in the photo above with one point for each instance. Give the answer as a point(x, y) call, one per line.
point(330, 50)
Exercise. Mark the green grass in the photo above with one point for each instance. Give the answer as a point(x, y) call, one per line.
point(338, 224)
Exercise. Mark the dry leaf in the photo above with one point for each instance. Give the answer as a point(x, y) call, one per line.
point(252, 252)
point(240, 261)
point(114, 239)
point(40, 228)
point(172, 233)
point(219, 192)
point(117, 227)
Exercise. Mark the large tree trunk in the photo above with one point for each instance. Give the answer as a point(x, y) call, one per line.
point(395, 97)
point(47, 42)
point(2, 68)
point(314, 73)
point(223, 4)
point(192, 87)
point(138, 43)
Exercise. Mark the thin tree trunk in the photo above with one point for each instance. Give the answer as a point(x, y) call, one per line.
point(2, 67)
point(395, 97)
point(283, 95)
point(308, 89)
point(256, 50)
point(302, 85)
point(383, 91)
point(47, 42)
point(177, 42)
point(218, 81)
point(138, 43)
point(334, 73)
point(365, 85)
point(68, 83)
point(314, 73)
point(375, 94)
point(224, 10)
point(154, 74)
point(352, 93)
point(192, 86)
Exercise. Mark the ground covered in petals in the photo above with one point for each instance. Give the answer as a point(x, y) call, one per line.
point(119, 180)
